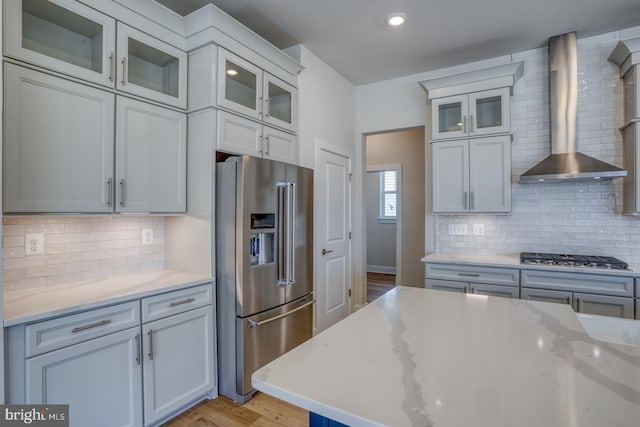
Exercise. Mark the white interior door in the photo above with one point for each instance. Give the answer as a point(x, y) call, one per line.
point(333, 248)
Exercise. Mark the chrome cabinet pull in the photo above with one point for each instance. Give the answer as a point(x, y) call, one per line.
point(125, 70)
point(324, 251)
point(471, 290)
point(465, 198)
point(569, 300)
point(465, 290)
point(184, 301)
point(266, 103)
point(469, 274)
point(112, 66)
point(110, 192)
point(267, 146)
point(472, 200)
point(261, 107)
point(464, 124)
point(578, 305)
point(122, 187)
point(260, 145)
point(91, 326)
point(471, 123)
point(138, 352)
point(150, 354)
point(253, 323)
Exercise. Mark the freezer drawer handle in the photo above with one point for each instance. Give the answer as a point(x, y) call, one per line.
point(253, 323)
point(91, 326)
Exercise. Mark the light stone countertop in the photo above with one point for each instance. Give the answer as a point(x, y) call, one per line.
point(419, 357)
point(39, 303)
point(513, 261)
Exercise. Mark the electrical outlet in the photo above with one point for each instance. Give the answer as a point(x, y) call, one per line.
point(34, 244)
point(478, 229)
point(457, 229)
point(147, 236)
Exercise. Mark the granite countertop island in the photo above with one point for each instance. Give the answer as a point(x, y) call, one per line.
point(418, 357)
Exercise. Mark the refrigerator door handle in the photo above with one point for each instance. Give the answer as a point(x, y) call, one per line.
point(281, 227)
point(291, 203)
point(253, 323)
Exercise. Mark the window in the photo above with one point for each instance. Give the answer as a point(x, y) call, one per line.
point(388, 195)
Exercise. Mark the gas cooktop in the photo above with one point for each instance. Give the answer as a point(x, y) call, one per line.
point(567, 260)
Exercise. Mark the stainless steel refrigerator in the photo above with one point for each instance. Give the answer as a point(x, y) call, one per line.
point(264, 266)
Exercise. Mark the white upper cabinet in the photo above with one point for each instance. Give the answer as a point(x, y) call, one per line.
point(250, 91)
point(474, 114)
point(472, 175)
point(62, 35)
point(151, 68)
point(58, 144)
point(151, 150)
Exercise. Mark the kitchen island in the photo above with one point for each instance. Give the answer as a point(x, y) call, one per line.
point(419, 357)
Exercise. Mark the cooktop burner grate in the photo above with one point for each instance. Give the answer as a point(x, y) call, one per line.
point(568, 260)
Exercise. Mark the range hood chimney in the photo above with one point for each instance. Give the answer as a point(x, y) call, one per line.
point(565, 163)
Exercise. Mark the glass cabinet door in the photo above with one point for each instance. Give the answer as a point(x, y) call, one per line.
point(239, 85)
point(449, 117)
point(280, 103)
point(64, 36)
point(151, 68)
point(489, 112)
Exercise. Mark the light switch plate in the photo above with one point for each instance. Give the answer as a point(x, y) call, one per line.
point(147, 236)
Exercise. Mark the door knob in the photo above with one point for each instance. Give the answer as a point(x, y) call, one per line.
point(324, 251)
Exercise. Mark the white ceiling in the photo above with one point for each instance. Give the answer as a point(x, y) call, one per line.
point(350, 35)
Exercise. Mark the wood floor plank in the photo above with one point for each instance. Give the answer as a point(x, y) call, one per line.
point(261, 411)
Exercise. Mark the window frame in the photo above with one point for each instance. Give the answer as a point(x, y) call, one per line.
point(382, 216)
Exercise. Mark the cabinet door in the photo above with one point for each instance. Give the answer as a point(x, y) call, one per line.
point(490, 174)
point(489, 112)
point(179, 361)
point(151, 160)
point(100, 380)
point(151, 68)
point(447, 285)
point(450, 176)
point(280, 103)
point(278, 145)
point(62, 35)
point(239, 135)
point(449, 117)
point(603, 305)
point(631, 95)
point(546, 295)
point(239, 85)
point(494, 290)
point(631, 182)
point(58, 144)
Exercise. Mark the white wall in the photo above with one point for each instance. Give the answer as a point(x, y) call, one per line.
point(328, 102)
point(381, 236)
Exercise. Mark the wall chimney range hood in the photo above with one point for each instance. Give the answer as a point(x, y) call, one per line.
point(565, 163)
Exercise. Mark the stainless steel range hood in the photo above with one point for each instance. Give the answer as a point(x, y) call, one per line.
point(565, 163)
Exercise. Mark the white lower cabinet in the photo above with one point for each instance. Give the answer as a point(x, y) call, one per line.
point(603, 305)
point(239, 135)
point(99, 379)
point(178, 361)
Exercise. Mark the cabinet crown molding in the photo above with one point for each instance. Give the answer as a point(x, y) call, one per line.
point(505, 75)
point(626, 54)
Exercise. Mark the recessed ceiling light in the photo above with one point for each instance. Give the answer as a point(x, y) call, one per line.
point(232, 72)
point(396, 19)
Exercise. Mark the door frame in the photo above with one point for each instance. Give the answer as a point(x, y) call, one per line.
point(398, 168)
point(323, 145)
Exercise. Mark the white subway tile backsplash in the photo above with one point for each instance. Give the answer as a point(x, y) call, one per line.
point(79, 248)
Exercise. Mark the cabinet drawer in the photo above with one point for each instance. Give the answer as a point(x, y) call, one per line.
point(159, 306)
point(578, 282)
point(53, 334)
point(446, 285)
point(476, 274)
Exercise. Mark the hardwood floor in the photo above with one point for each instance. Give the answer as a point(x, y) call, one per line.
point(379, 284)
point(261, 411)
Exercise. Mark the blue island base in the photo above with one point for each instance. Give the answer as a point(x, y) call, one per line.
point(316, 420)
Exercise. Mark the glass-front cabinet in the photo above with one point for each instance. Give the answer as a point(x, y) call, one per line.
point(474, 114)
point(151, 68)
point(250, 91)
point(65, 36)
